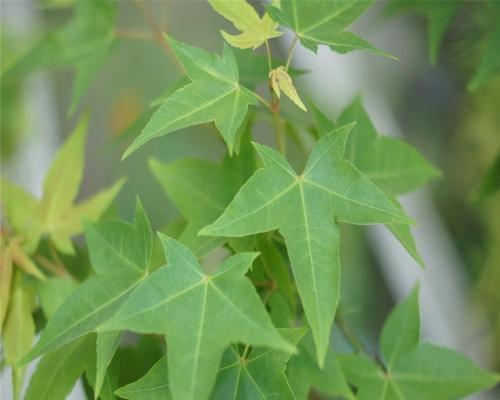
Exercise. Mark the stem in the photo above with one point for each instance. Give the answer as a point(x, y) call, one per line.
point(349, 335)
point(269, 57)
point(355, 342)
point(135, 35)
point(291, 51)
point(262, 100)
point(50, 266)
point(278, 124)
point(55, 258)
point(155, 28)
point(245, 352)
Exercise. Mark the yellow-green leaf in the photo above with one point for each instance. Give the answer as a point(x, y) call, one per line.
point(55, 214)
point(255, 30)
point(281, 81)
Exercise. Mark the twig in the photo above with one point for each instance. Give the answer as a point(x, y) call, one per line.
point(269, 58)
point(50, 266)
point(291, 51)
point(349, 335)
point(135, 35)
point(155, 28)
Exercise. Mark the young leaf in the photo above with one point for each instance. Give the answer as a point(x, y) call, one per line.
point(120, 254)
point(259, 375)
point(55, 214)
point(201, 190)
point(5, 281)
point(19, 330)
point(414, 370)
point(306, 208)
point(200, 315)
point(85, 43)
point(255, 30)
point(281, 81)
point(324, 22)
point(214, 94)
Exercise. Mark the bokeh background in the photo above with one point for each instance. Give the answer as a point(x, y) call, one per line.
point(428, 105)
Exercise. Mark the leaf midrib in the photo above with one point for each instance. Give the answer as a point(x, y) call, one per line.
point(186, 115)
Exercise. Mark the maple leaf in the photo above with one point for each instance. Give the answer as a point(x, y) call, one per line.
point(200, 314)
point(413, 369)
point(281, 81)
point(214, 94)
point(255, 30)
point(305, 208)
point(390, 163)
point(259, 374)
point(324, 22)
point(54, 214)
point(120, 254)
point(84, 42)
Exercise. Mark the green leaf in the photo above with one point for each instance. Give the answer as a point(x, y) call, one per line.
point(324, 22)
point(401, 331)
point(214, 94)
point(106, 346)
point(390, 163)
point(152, 386)
point(303, 373)
point(439, 15)
point(259, 375)
point(120, 254)
point(306, 208)
point(414, 370)
point(393, 165)
point(490, 183)
point(56, 374)
point(489, 65)
point(84, 43)
point(255, 30)
point(200, 314)
point(201, 190)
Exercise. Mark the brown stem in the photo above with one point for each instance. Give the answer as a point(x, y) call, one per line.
point(135, 35)
point(50, 266)
point(155, 28)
